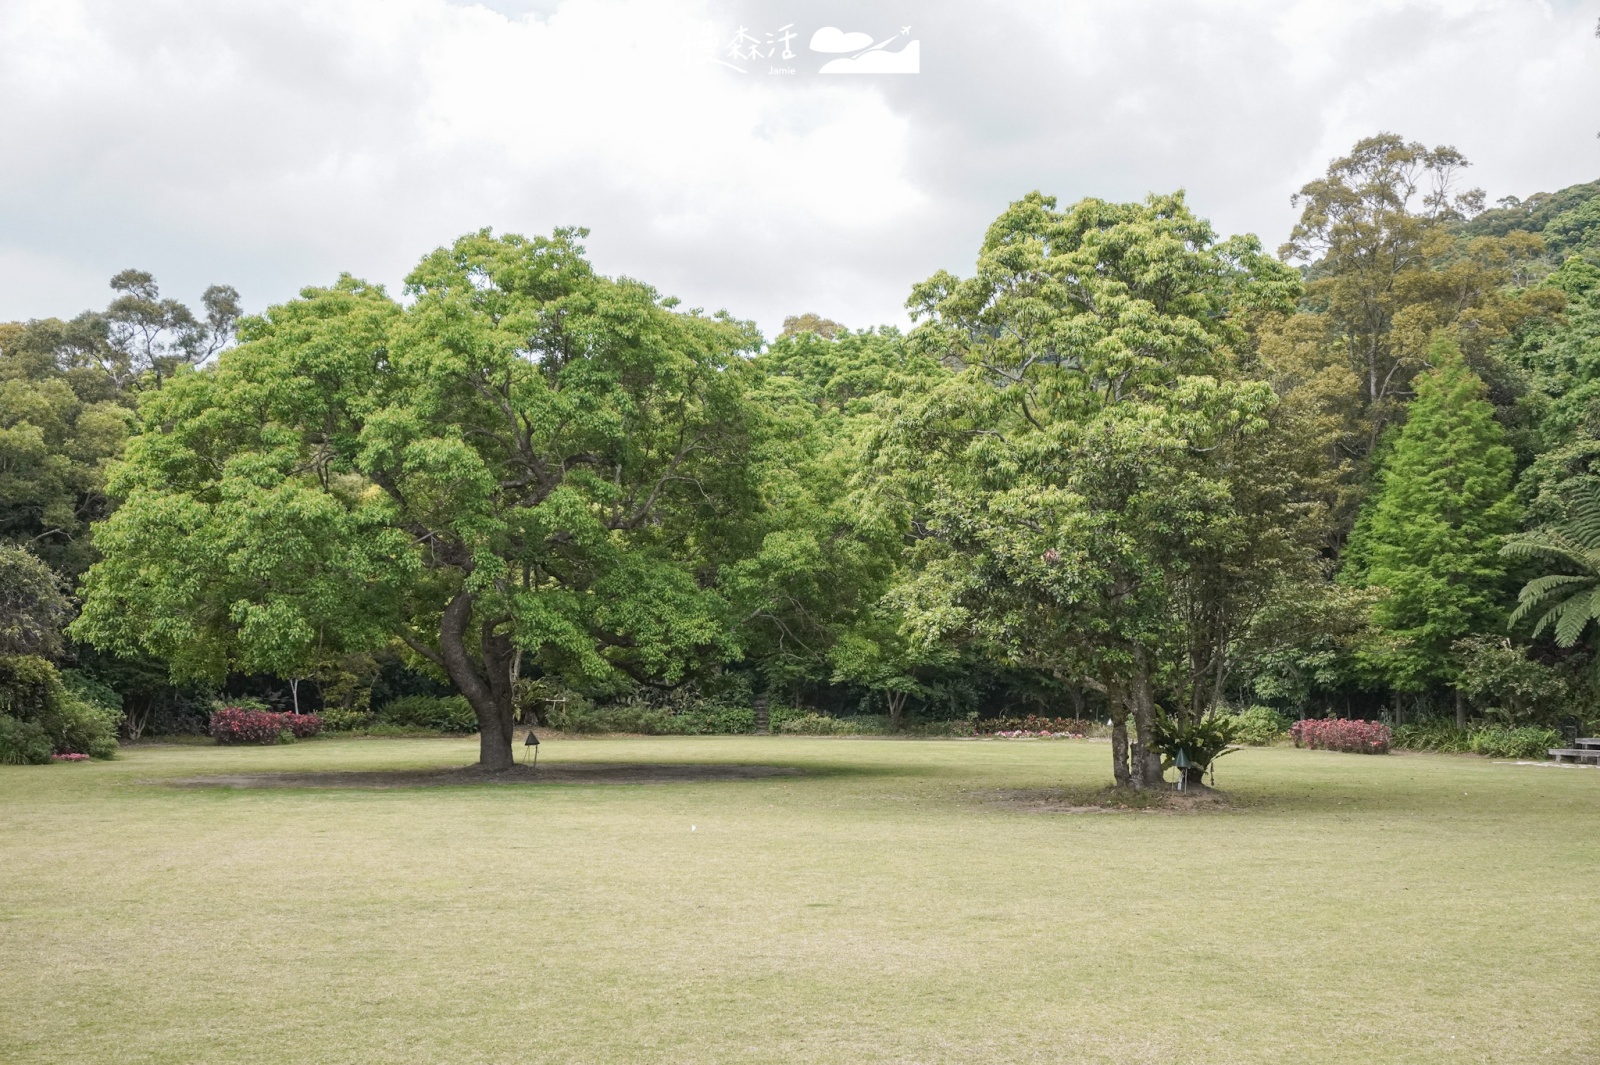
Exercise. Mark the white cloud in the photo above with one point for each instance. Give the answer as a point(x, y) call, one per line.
point(273, 145)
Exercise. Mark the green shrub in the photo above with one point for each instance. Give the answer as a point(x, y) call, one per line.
point(87, 727)
point(720, 719)
point(1259, 726)
point(1439, 736)
point(960, 726)
point(576, 714)
point(814, 724)
point(341, 720)
point(31, 690)
point(23, 742)
point(1528, 742)
point(636, 716)
point(450, 713)
point(384, 728)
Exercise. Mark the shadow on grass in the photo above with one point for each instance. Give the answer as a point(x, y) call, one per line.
point(555, 773)
point(1107, 800)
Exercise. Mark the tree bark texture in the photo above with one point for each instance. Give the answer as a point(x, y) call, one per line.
point(487, 690)
point(1116, 700)
point(1144, 762)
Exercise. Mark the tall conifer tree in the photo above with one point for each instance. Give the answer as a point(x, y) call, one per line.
point(1432, 531)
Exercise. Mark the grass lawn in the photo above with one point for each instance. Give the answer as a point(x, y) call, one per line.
point(886, 906)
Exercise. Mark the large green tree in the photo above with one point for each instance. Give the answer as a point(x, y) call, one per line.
point(1070, 485)
point(1430, 536)
point(1387, 268)
point(531, 466)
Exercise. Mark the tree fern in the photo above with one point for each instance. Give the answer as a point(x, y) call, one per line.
point(1564, 602)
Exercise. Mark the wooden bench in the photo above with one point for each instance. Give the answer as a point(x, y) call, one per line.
point(1583, 749)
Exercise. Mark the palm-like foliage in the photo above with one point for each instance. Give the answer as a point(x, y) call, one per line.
point(1565, 602)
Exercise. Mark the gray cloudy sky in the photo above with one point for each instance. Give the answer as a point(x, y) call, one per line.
point(274, 145)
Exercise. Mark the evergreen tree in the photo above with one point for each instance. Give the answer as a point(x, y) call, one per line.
point(1432, 531)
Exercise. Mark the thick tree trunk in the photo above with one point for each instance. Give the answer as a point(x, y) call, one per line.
point(761, 713)
point(1116, 700)
point(1143, 759)
point(1461, 711)
point(488, 692)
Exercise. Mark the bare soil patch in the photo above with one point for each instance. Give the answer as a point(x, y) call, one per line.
point(1194, 799)
point(552, 773)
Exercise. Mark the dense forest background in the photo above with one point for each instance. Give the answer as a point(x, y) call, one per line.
point(1126, 469)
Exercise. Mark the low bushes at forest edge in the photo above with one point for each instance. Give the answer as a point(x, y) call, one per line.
point(1491, 741)
point(45, 713)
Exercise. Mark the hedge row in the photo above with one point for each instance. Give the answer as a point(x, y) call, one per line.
point(236, 724)
point(1339, 734)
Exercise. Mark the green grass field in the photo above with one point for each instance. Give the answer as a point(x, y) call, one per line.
point(893, 904)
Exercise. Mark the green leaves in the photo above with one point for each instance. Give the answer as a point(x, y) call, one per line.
point(554, 444)
point(1565, 603)
point(1083, 491)
point(1433, 530)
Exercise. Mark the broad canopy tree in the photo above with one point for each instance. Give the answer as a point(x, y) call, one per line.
point(530, 466)
point(1068, 487)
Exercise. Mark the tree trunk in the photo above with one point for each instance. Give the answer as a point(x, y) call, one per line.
point(897, 710)
point(1461, 710)
point(488, 692)
point(1144, 761)
point(761, 713)
point(1117, 703)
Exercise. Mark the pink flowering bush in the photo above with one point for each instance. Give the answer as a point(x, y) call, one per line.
point(236, 724)
point(69, 758)
point(1338, 734)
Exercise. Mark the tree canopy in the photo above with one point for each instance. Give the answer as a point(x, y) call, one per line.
point(1126, 467)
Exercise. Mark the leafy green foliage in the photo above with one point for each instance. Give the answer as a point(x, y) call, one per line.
point(528, 460)
point(1525, 742)
point(818, 725)
point(654, 718)
point(1499, 677)
point(448, 714)
point(33, 606)
point(23, 742)
point(1201, 740)
point(1441, 736)
point(1259, 726)
point(1431, 533)
point(31, 691)
point(1070, 489)
point(1563, 602)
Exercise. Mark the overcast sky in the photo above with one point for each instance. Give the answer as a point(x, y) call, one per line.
point(274, 145)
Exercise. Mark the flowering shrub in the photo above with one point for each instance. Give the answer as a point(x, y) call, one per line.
point(1338, 734)
point(69, 758)
point(1010, 728)
point(235, 724)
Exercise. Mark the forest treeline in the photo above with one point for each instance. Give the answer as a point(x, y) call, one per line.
point(1127, 469)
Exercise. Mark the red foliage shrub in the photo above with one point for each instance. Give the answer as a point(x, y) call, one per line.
point(1338, 734)
point(235, 724)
